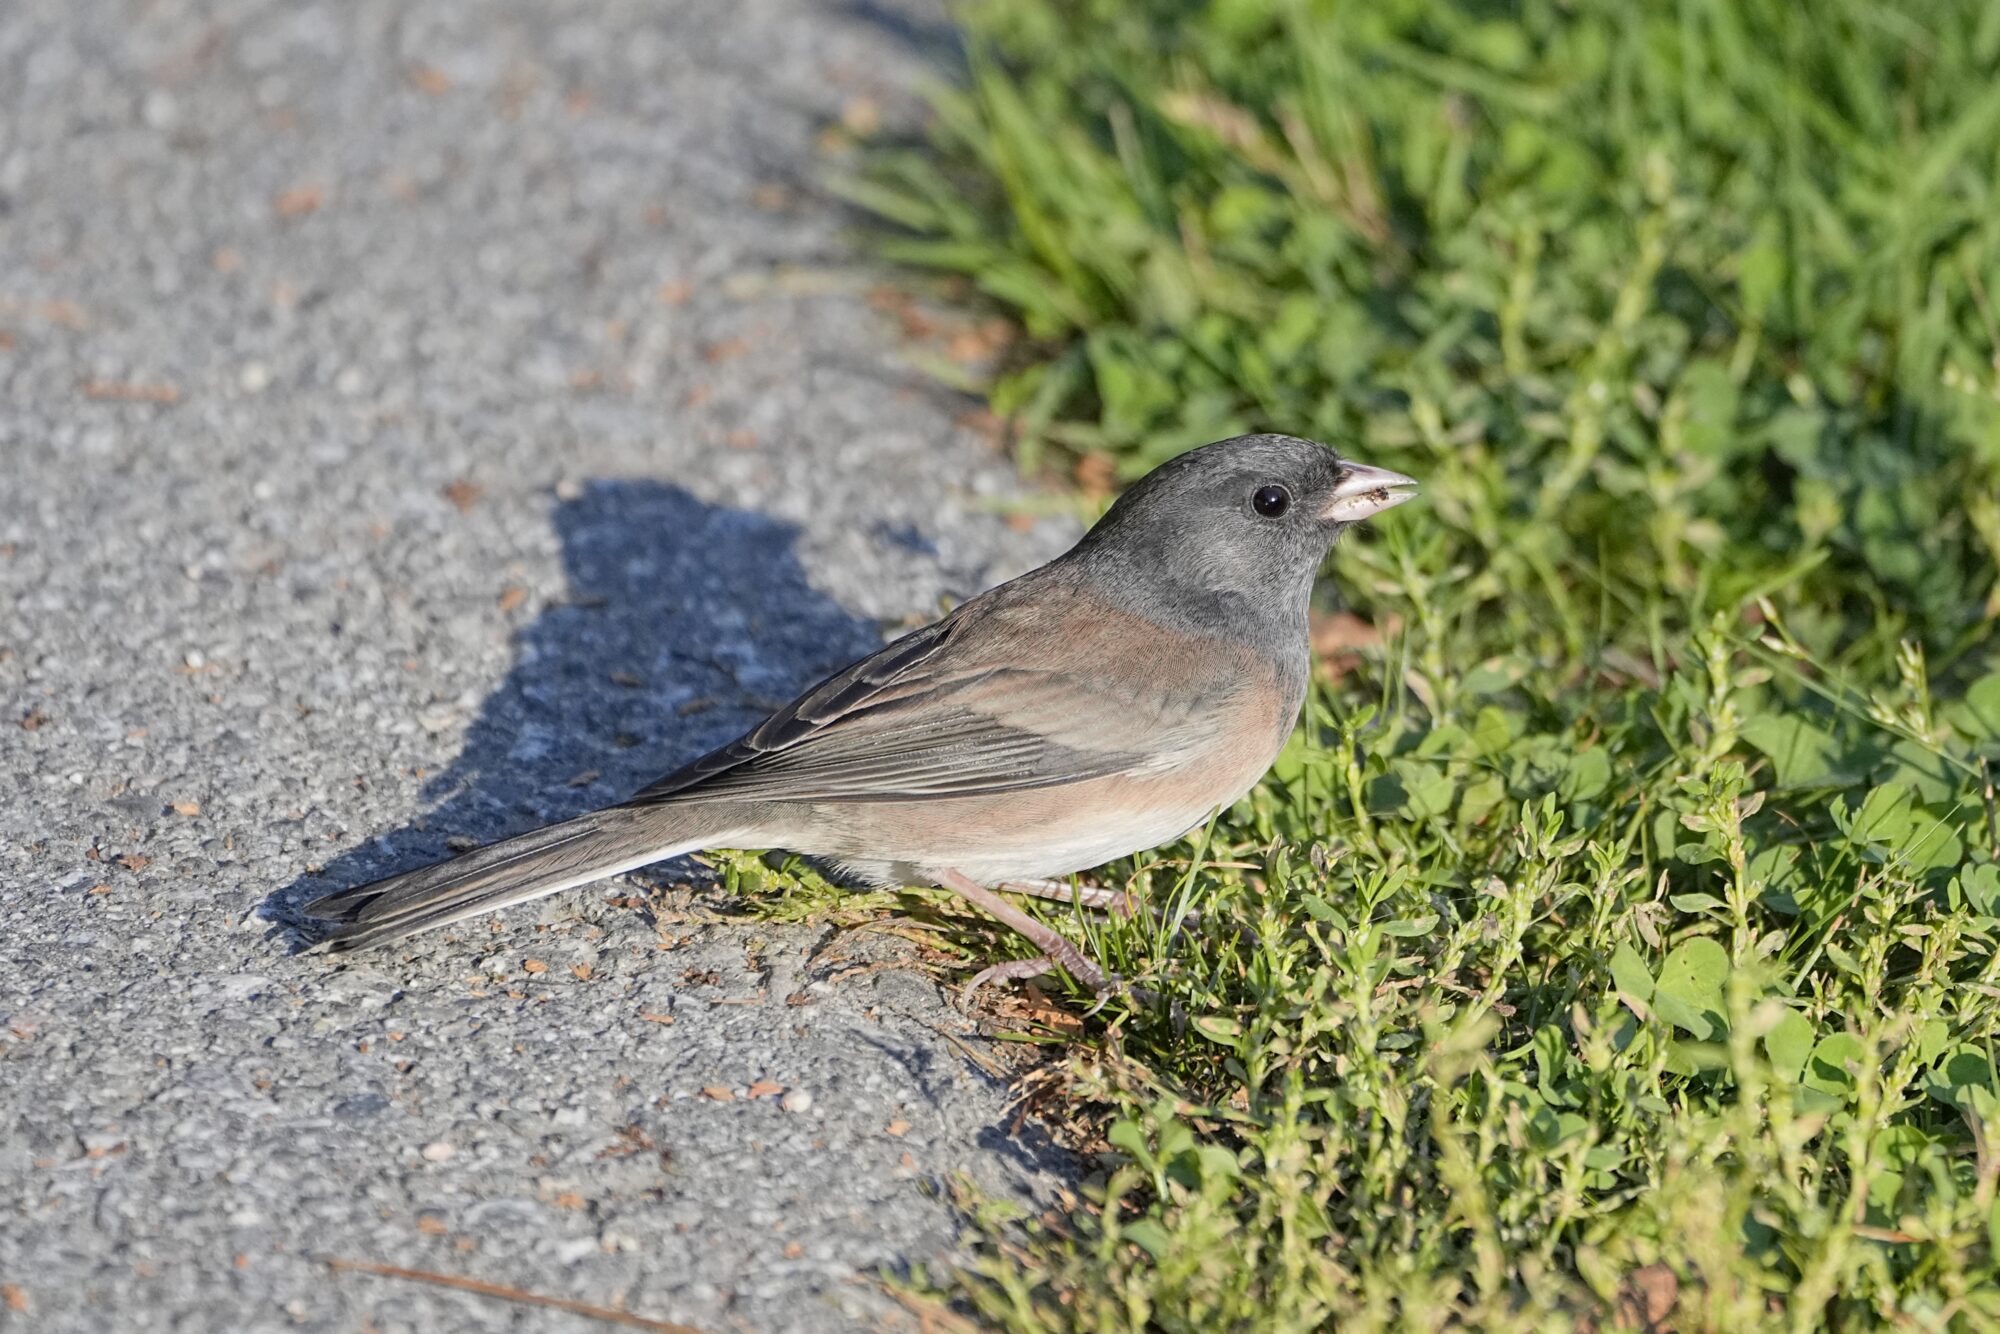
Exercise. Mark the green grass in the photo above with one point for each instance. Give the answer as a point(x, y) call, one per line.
point(1624, 925)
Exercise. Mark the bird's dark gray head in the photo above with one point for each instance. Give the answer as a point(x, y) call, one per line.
point(1249, 518)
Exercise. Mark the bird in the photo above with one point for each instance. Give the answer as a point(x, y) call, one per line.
point(1099, 705)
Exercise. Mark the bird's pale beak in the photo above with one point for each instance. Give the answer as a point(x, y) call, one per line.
point(1364, 492)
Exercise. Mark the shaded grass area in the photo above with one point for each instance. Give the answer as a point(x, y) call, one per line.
point(1616, 941)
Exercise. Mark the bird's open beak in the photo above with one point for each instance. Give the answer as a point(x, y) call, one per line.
point(1364, 492)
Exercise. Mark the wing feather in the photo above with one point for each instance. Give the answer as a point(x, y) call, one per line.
point(915, 721)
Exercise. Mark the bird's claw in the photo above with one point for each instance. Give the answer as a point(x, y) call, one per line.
point(1014, 970)
point(1107, 987)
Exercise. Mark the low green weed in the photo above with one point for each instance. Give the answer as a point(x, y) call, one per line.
point(1614, 947)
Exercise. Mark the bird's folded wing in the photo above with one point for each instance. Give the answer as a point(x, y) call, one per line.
point(919, 720)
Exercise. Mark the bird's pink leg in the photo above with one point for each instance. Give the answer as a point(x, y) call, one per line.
point(1056, 949)
point(1118, 902)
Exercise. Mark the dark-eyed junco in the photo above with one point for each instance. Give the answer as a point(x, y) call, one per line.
point(1100, 705)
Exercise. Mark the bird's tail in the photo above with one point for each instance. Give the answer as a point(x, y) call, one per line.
point(514, 870)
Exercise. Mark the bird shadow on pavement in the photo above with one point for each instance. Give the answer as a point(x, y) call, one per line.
point(683, 624)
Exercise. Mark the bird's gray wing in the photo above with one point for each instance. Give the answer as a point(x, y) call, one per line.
point(937, 713)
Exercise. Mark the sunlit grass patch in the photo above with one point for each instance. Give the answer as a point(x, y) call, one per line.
point(1615, 943)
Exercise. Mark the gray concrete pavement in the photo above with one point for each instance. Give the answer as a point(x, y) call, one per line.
point(419, 420)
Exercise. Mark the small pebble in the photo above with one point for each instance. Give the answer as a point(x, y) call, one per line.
point(159, 110)
point(797, 1100)
point(438, 1151)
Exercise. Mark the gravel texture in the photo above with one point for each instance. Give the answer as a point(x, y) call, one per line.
point(420, 420)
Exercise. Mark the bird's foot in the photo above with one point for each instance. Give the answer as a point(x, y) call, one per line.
point(1055, 948)
point(1014, 970)
point(1053, 945)
point(1021, 970)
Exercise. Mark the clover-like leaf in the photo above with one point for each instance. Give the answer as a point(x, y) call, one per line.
point(1884, 817)
point(1588, 774)
point(1629, 972)
point(1427, 790)
point(1830, 1068)
point(1979, 887)
point(1964, 1079)
point(1979, 712)
point(1931, 843)
point(1688, 992)
point(1789, 1044)
point(1801, 754)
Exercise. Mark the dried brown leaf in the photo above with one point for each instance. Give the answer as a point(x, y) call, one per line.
point(298, 201)
point(463, 493)
point(129, 391)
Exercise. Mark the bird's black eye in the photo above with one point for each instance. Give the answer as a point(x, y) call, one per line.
point(1271, 501)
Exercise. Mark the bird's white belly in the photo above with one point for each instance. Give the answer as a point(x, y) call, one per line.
point(1041, 834)
point(1062, 852)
